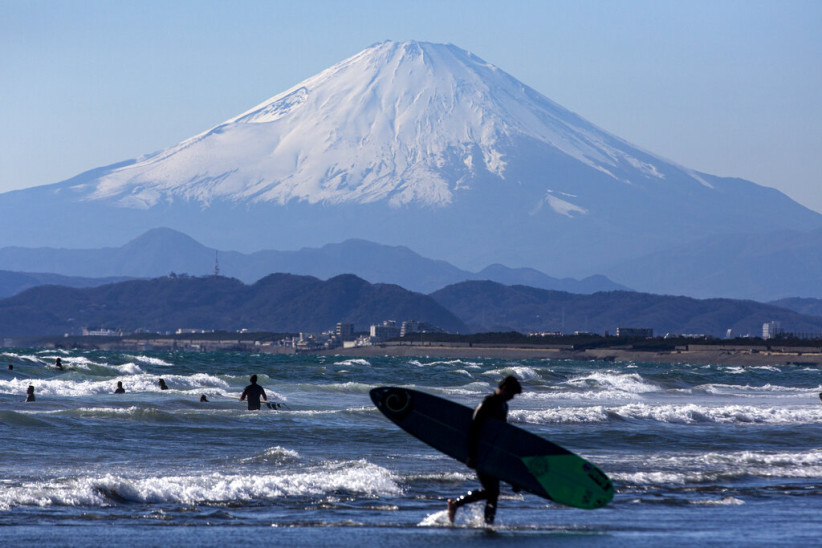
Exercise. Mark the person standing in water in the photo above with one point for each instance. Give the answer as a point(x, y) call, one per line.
point(254, 392)
point(163, 385)
point(493, 406)
point(58, 364)
point(30, 393)
point(120, 389)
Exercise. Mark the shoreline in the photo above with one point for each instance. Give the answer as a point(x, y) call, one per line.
point(699, 355)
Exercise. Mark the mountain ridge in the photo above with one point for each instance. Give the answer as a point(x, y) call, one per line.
point(161, 251)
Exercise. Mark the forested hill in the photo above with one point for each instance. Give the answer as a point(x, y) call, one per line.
point(291, 303)
point(279, 302)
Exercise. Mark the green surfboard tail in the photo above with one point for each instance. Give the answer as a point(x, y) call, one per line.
point(560, 476)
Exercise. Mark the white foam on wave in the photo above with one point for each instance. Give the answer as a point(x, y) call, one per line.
point(563, 415)
point(632, 383)
point(358, 362)
point(590, 395)
point(150, 360)
point(690, 468)
point(450, 363)
point(747, 390)
point(522, 372)
point(357, 477)
point(66, 386)
point(127, 369)
point(350, 387)
point(672, 414)
point(724, 501)
point(473, 389)
point(653, 478)
point(727, 414)
point(276, 454)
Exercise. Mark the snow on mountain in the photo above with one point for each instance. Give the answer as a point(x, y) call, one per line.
point(408, 144)
point(379, 126)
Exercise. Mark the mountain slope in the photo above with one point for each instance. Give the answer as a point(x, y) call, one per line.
point(763, 267)
point(415, 144)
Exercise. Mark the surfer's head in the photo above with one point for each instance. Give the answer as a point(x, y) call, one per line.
point(253, 379)
point(511, 385)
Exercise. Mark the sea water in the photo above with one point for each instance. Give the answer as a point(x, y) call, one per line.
point(700, 455)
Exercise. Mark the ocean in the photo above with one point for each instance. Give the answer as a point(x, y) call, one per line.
point(700, 455)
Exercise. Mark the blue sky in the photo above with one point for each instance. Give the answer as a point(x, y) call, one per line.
point(728, 87)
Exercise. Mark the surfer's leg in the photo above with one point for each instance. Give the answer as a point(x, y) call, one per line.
point(467, 498)
point(490, 486)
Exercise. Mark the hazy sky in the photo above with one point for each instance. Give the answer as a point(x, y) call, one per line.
point(729, 87)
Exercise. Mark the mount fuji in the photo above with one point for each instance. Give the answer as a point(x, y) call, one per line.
point(415, 144)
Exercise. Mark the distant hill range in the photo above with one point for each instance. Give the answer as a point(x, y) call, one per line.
point(809, 307)
point(765, 268)
point(12, 283)
point(162, 251)
point(290, 303)
point(278, 303)
point(489, 306)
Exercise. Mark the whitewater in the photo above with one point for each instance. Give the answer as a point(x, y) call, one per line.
point(703, 455)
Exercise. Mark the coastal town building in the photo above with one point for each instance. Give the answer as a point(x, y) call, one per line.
point(385, 331)
point(771, 330)
point(635, 332)
point(345, 331)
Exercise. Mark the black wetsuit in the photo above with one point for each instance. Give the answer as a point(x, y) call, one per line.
point(253, 391)
point(494, 406)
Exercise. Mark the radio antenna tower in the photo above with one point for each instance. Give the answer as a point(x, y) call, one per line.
point(216, 263)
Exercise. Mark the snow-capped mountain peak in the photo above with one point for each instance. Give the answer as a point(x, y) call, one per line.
point(405, 123)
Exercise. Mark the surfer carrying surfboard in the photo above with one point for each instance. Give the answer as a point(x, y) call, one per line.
point(493, 406)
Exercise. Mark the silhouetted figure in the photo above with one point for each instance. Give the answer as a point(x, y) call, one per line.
point(120, 389)
point(203, 398)
point(11, 367)
point(58, 364)
point(493, 406)
point(254, 392)
point(162, 384)
point(30, 393)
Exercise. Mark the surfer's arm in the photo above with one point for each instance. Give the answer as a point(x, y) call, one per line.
point(262, 393)
point(242, 396)
point(480, 415)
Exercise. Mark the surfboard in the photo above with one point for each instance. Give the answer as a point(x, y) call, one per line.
point(510, 453)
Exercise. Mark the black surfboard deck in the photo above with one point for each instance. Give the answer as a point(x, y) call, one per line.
point(507, 452)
